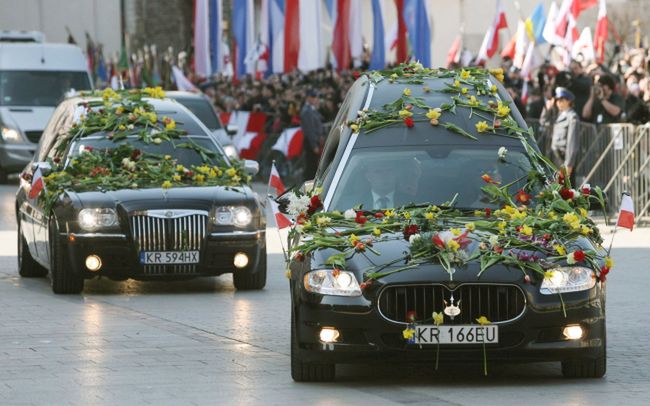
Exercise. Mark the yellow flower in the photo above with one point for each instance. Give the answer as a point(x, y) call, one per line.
point(213, 173)
point(572, 220)
point(549, 274)
point(470, 226)
point(464, 90)
point(323, 220)
point(434, 114)
point(155, 92)
point(199, 178)
point(552, 215)
point(121, 127)
point(582, 211)
point(609, 262)
point(502, 110)
point(393, 76)
point(176, 178)
point(287, 274)
point(498, 73)
point(456, 83)
point(479, 213)
point(453, 245)
point(353, 239)
point(464, 74)
point(203, 169)
point(407, 92)
point(483, 321)
point(502, 225)
point(482, 126)
point(180, 168)
point(408, 333)
point(231, 172)
point(376, 231)
point(438, 318)
point(153, 118)
point(493, 88)
point(119, 110)
point(526, 230)
point(429, 216)
point(166, 184)
point(171, 124)
point(585, 230)
point(354, 127)
point(407, 215)
point(405, 113)
point(559, 249)
point(473, 101)
point(167, 157)
point(456, 231)
point(519, 215)
point(389, 213)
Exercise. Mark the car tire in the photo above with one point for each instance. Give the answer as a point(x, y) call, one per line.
point(27, 266)
point(307, 371)
point(64, 280)
point(249, 280)
point(587, 367)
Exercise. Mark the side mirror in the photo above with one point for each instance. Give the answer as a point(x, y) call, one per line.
point(45, 167)
point(307, 186)
point(251, 167)
point(232, 129)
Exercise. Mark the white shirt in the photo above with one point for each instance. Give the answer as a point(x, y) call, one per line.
point(389, 200)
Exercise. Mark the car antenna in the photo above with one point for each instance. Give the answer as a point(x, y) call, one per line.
point(120, 82)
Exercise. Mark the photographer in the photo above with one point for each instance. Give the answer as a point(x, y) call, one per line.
point(603, 106)
point(580, 86)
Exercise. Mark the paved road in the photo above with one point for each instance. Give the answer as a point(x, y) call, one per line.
point(201, 342)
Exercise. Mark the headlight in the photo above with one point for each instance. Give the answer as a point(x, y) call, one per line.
point(569, 279)
point(332, 282)
point(239, 216)
point(93, 219)
point(11, 136)
point(231, 152)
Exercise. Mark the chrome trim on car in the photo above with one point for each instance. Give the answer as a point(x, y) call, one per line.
point(523, 295)
point(169, 213)
point(239, 234)
point(346, 155)
point(96, 235)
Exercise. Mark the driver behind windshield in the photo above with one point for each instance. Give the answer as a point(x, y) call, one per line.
point(390, 184)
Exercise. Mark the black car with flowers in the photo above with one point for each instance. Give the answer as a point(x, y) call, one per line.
point(436, 231)
point(130, 184)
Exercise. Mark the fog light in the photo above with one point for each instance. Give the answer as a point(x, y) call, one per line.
point(93, 263)
point(329, 334)
point(241, 260)
point(573, 332)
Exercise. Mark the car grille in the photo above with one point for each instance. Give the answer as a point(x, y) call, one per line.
point(183, 233)
point(34, 136)
point(499, 303)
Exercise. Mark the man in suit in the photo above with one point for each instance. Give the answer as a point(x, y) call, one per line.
point(385, 192)
point(311, 123)
point(565, 141)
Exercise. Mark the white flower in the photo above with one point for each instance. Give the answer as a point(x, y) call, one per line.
point(130, 126)
point(297, 204)
point(502, 153)
point(154, 132)
point(494, 240)
point(571, 259)
point(414, 238)
point(157, 140)
point(350, 214)
point(125, 162)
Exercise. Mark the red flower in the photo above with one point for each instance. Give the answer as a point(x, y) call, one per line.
point(462, 240)
point(438, 241)
point(89, 148)
point(359, 246)
point(567, 194)
point(586, 190)
point(135, 154)
point(314, 204)
point(579, 256)
point(526, 279)
point(410, 230)
point(363, 285)
point(497, 123)
point(497, 249)
point(409, 122)
point(26, 176)
point(560, 177)
point(379, 214)
point(56, 159)
point(356, 74)
point(410, 316)
point(488, 179)
point(547, 236)
point(523, 197)
point(301, 219)
point(299, 256)
point(189, 173)
point(603, 273)
point(488, 212)
point(361, 219)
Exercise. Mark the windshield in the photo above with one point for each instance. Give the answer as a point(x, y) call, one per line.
point(389, 177)
point(203, 110)
point(185, 156)
point(39, 88)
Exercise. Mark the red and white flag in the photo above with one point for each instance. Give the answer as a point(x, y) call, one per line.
point(490, 43)
point(37, 184)
point(250, 135)
point(626, 214)
point(275, 181)
point(290, 143)
point(281, 220)
point(602, 30)
point(453, 55)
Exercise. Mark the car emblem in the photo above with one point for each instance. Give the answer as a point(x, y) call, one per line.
point(450, 309)
point(169, 214)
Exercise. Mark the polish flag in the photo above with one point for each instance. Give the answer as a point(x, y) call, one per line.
point(626, 214)
point(281, 220)
point(290, 143)
point(453, 55)
point(341, 36)
point(202, 61)
point(37, 184)
point(602, 28)
point(250, 135)
point(275, 181)
point(490, 43)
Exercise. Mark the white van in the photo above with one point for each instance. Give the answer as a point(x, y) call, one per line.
point(34, 78)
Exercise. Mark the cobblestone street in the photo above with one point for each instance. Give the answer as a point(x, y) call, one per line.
point(201, 342)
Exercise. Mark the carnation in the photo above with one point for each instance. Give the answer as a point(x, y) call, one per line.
point(350, 214)
point(297, 204)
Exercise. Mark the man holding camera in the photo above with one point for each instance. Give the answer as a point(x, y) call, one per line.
point(603, 106)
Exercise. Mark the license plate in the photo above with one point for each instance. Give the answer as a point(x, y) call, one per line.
point(169, 257)
point(461, 334)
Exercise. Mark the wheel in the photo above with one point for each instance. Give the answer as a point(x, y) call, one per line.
point(587, 367)
point(248, 280)
point(64, 280)
point(307, 371)
point(27, 266)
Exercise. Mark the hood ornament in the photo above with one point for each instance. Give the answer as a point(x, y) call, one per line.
point(451, 310)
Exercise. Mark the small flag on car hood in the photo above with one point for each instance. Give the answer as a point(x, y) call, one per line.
point(37, 184)
point(626, 214)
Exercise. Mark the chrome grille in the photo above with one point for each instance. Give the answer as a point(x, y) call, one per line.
point(168, 230)
point(499, 303)
point(34, 136)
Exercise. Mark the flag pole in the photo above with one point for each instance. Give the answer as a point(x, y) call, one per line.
point(268, 185)
point(611, 242)
point(284, 251)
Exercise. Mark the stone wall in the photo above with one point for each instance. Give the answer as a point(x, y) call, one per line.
point(164, 23)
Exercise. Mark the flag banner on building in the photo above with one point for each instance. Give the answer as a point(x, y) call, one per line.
point(250, 132)
point(275, 181)
point(281, 220)
point(626, 213)
point(289, 143)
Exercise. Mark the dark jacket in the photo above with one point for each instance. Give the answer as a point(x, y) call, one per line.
point(565, 140)
point(312, 126)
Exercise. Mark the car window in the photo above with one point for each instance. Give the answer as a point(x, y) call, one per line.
point(426, 175)
point(52, 130)
point(202, 109)
point(39, 88)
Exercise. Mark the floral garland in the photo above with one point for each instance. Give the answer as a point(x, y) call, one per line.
point(119, 114)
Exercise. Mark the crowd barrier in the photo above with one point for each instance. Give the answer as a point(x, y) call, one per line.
point(615, 157)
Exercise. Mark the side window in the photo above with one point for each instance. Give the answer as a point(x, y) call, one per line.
point(51, 131)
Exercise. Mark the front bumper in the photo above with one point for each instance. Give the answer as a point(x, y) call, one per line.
point(535, 336)
point(121, 260)
point(14, 157)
